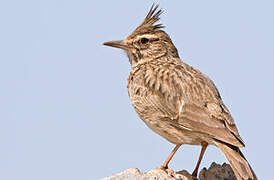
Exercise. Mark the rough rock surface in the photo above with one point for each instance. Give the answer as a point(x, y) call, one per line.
point(214, 172)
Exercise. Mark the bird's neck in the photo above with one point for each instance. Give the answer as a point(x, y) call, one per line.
point(167, 58)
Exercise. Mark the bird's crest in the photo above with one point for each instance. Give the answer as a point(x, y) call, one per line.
point(148, 25)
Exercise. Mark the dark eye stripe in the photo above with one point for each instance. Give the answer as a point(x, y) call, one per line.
point(156, 39)
point(145, 40)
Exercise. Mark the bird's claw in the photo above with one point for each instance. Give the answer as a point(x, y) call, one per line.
point(170, 172)
point(194, 174)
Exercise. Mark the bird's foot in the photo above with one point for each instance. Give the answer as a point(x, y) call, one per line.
point(170, 172)
point(194, 174)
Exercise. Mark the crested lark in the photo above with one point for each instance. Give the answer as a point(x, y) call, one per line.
point(177, 101)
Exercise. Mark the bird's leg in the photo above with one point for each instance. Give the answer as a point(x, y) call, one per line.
point(204, 146)
point(164, 166)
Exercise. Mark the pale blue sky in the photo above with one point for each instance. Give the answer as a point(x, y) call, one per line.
point(64, 107)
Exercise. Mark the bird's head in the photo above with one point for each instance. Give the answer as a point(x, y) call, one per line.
point(148, 41)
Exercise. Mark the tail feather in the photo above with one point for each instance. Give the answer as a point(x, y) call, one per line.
point(239, 164)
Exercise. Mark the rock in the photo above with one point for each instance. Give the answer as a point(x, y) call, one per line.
point(214, 172)
point(217, 172)
point(155, 174)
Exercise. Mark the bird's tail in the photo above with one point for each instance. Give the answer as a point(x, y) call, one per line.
point(239, 164)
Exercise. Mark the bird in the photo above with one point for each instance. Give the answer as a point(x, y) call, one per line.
point(177, 101)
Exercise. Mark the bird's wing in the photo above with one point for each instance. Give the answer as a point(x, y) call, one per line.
point(199, 120)
point(182, 92)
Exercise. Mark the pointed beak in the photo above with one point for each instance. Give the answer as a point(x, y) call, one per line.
point(117, 44)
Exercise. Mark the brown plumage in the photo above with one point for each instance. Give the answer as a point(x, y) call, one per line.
point(175, 100)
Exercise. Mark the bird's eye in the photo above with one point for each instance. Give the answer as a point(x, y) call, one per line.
point(144, 40)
